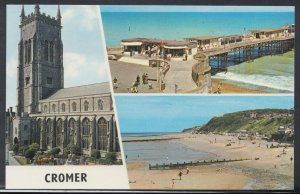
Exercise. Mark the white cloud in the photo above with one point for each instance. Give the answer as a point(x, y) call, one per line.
point(73, 64)
point(11, 68)
point(84, 15)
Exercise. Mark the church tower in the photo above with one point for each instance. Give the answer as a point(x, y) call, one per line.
point(40, 67)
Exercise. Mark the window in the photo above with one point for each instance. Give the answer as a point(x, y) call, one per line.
point(45, 109)
point(63, 107)
point(102, 134)
point(53, 108)
point(74, 106)
point(25, 53)
point(49, 80)
point(100, 104)
point(51, 51)
point(25, 127)
point(46, 55)
point(86, 127)
point(86, 106)
point(27, 80)
point(29, 52)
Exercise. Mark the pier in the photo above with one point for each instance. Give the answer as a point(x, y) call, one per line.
point(178, 165)
point(222, 57)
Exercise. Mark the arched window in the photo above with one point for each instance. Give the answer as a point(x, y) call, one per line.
point(51, 51)
point(102, 134)
point(85, 133)
point(86, 106)
point(63, 107)
point(100, 104)
point(48, 131)
point(29, 52)
point(59, 129)
point(38, 131)
point(74, 106)
point(86, 127)
point(46, 49)
point(71, 132)
point(53, 108)
point(25, 53)
point(45, 109)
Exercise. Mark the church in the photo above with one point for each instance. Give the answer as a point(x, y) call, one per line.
point(46, 112)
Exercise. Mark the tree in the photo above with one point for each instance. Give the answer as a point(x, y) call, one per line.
point(74, 149)
point(95, 154)
point(111, 157)
point(55, 151)
point(34, 146)
point(30, 154)
point(16, 149)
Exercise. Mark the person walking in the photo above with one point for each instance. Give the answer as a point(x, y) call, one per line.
point(187, 170)
point(180, 174)
point(291, 159)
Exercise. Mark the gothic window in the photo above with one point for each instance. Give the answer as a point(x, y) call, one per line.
point(100, 104)
point(29, 52)
point(86, 127)
point(46, 55)
point(85, 143)
point(74, 106)
point(25, 49)
point(70, 132)
point(48, 131)
point(51, 51)
point(63, 107)
point(27, 80)
point(25, 127)
point(59, 132)
point(102, 134)
point(53, 108)
point(45, 109)
point(86, 106)
point(38, 131)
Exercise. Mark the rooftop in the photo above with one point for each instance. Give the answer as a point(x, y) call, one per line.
point(81, 91)
point(203, 37)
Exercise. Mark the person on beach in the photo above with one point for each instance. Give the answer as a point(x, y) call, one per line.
point(173, 183)
point(115, 82)
point(180, 174)
point(187, 170)
point(291, 159)
point(215, 140)
point(138, 80)
point(144, 78)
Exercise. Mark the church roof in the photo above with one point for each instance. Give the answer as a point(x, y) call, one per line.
point(79, 91)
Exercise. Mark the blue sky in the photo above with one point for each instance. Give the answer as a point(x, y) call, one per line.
point(175, 113)
point(155, 8)
point(84, 61)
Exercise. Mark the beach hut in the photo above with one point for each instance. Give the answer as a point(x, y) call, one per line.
point(204, 42)
point(271, 32)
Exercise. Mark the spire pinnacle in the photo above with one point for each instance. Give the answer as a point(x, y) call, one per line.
point(37, 9)
point(58, 16)
point(22, 12)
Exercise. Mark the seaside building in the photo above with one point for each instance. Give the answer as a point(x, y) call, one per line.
point(204, 42)
point(166, 48)
point(284, 31)
point(46, 112)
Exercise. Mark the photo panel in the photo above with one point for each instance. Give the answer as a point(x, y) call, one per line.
point(200, 49)
point(60, 120)
point(208, 142)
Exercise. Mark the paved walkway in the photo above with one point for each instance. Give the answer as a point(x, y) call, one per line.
point(8, 156)
point(180, 73)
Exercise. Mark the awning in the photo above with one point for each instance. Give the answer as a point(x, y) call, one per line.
point(131, 43)
point(175, 47)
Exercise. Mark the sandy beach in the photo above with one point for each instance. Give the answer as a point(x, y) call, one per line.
point(231, 88)
point(268, 172)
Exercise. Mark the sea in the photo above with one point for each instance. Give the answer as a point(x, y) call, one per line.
point(159, 152)
point(274, 73)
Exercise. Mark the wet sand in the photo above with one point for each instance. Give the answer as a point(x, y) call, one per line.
point(269, 172)
point(231, 88)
